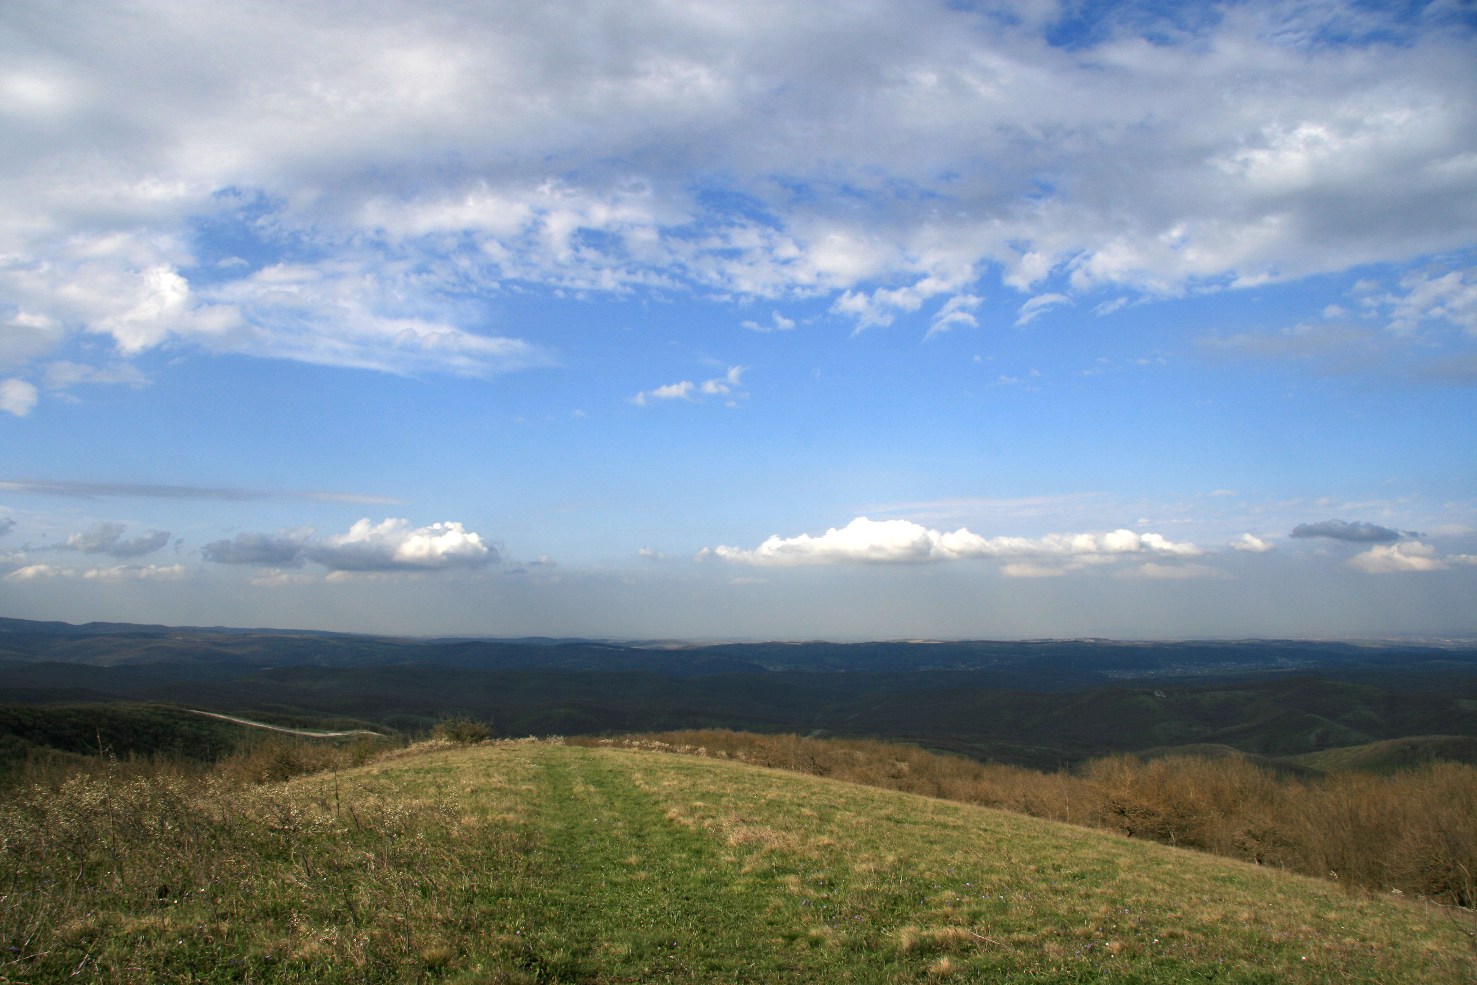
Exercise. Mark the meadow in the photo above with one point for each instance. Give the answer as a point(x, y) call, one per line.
point(1409, 831)
point(529, 861)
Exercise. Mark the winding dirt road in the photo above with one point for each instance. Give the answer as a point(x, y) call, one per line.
point(311, 733)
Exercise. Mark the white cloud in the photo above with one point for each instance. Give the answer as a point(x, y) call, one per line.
point(726, 385)
point(38, 572)
point(1033, 569)
point(864, 541)
point(884, 156)
point(1251, 544)
point(1411, 555)
point(138, 572)
point(777, 323)
point(364, 314)
point(880, 307)
point(278, 578)
point(670, 391)
point(25, 336)
point(17, 397)
point(388, 546)
point(1426, 297)
point(1038, 306)
point(1155, 571)
point(64, 373)
point(956, 313)
point(393, 545)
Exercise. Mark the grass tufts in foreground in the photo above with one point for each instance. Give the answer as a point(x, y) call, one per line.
point(537, 862)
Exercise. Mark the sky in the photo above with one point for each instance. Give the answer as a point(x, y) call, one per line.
point(772, 320)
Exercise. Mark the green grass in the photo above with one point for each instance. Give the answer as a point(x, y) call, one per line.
point(1391, 755)
point(530, 862)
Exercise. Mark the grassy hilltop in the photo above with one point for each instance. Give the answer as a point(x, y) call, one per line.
point(527, 862)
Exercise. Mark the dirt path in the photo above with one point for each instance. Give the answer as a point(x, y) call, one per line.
point(310, 733)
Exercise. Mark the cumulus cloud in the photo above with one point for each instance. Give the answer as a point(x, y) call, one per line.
point(7, 524)
point(670, 391)
point(107, 538)
point(728, 386)
point(1356, 532)
point(17, 397)
point(391, 545)
point(866, 541)
point(1251, 544)
point(1387, 559)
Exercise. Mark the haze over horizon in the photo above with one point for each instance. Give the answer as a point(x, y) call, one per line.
point(777, 320)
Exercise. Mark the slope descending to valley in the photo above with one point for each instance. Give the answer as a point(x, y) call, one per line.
point(535, 861)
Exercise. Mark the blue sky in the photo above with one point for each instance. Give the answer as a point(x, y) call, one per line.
point(778, 320)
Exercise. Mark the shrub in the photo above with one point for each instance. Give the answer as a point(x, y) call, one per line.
point(462, 731)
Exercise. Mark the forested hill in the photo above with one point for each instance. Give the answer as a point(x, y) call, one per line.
point(1027, 663)
point(1040, 703)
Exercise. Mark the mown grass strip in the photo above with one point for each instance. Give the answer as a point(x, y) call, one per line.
point(628, 895)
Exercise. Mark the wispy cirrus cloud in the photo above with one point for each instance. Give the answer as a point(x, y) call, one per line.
point(104, 490)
